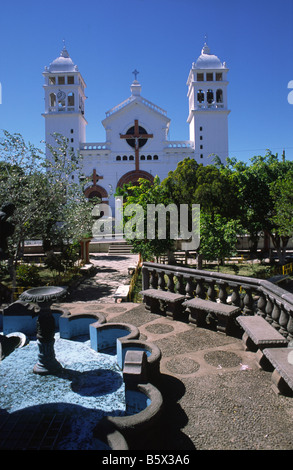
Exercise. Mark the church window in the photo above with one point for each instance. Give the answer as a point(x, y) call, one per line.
point(72, 140)
point(200, 128)
point(70, 99)
point(219, 77)
point(200, 77)
point(200, 96)
point(219, 96)
point(52, 80)
point(71, 131)
point(70, 80)
point(131, 157)
point(201, 147)
point(118, 158)
point(149, 157)
point(52, 99)
point(210, 96)
point(61, 105)
point(156, 157)
point(141, 142)
point(124, 157)
point(61, 80)
point(200, 137)
point(210, 76)
point(201, 155)
point(142, 157)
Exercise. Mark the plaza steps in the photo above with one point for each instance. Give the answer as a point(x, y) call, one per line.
point(119, 249)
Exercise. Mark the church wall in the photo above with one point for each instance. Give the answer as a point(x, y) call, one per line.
point(153, 124)
point(211, 132)
point(208, 125)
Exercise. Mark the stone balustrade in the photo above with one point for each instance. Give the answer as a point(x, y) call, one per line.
point(182, 144)
point(253, 296)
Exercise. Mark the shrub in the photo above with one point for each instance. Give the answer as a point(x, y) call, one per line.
point(27, 275)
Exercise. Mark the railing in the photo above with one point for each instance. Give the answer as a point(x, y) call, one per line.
point(143, 100)
point(253, 296)
point(119, 106)
point(61, 109)
point(209, 106)
point(180, 144)
point(286, 269)
point(95, 146)
point(154, 106)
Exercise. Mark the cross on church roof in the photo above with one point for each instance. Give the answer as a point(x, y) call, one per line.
point(136, 136)
point(135, 73)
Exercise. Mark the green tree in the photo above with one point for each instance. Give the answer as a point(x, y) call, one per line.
point(282, 213)
point(218, 237)
point(181, 183)
point(214, 189)
point(49, 205)
point(255, 199)
point(137, 200)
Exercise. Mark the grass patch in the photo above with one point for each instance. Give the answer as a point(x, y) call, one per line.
point(256, 270)
point(42, 276)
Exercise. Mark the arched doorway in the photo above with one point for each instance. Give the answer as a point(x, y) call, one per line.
point(134, 176)
point(96, 191)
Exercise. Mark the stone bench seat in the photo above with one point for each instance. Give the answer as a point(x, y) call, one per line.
point(122, 293)
point(259, 334)
point(200, 309)
point(281, 360)
point(172, 302)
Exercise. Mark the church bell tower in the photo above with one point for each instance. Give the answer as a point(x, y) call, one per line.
point(64, 102)
point(208, 108)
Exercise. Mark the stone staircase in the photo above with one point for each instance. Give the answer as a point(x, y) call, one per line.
point(119, 248)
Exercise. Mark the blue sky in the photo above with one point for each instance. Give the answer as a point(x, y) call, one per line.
point(108, 39)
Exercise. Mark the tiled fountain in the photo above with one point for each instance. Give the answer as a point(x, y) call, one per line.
point(74, 381)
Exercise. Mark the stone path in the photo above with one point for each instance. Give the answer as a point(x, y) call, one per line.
point(110, 273)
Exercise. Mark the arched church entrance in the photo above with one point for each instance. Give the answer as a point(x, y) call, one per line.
point(96, 191)
point(134, 176)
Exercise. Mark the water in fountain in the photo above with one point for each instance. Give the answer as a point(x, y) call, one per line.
point(89, 386)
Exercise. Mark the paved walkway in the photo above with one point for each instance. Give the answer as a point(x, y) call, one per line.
point(215, 396)
point(110, 272)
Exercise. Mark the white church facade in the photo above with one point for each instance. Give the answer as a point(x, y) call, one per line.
point(136, 130)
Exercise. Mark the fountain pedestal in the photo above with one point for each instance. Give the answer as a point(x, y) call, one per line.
point(44, 297)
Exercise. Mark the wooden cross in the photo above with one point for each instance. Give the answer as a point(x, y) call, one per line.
point(136, 136)
point(96, 177)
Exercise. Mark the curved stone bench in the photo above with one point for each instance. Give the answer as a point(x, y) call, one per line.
point(107, 433)
point(134, 426)
point(57, 312)
point(152, 351)
point(20, 316)
point(105, 336)
point(75, 325)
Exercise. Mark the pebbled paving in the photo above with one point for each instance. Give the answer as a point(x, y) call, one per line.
point(215, 396)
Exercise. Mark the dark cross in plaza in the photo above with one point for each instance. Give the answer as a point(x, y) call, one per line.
point(136, 136)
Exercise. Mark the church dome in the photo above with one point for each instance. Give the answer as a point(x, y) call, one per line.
point(63, 63)
point(207, 60)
